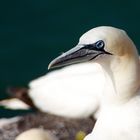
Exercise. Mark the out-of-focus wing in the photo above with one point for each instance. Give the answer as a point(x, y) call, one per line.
point(71, 91)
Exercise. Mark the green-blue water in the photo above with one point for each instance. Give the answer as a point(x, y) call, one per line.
point(33, 32)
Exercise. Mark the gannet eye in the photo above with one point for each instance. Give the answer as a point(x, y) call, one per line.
point(100, 44)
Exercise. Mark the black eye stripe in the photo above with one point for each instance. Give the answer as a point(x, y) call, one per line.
point(89, 46)
point(99, 45)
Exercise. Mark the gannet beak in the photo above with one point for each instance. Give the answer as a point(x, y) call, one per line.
point(78, 54)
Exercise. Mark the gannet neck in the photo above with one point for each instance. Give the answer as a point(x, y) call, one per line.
point(123, 73)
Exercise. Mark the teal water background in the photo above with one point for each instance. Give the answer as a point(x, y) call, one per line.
point(33, 32)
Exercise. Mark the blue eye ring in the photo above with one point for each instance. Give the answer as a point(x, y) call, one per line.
point(100, 44)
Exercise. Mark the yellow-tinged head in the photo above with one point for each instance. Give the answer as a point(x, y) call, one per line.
point(99, 41)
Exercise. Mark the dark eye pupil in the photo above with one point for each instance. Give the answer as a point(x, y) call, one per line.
point(100, 44)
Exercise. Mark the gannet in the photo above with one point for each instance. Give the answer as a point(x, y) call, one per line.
point(36, 134)
point(56, 91)
point(115, 52)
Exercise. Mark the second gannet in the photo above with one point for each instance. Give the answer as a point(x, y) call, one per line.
point(63, 92)
point(54, 92)
point(119, 117)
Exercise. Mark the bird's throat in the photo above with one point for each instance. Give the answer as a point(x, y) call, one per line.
point(122, 78)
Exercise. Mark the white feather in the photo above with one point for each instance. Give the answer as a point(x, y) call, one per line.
point(71, 91)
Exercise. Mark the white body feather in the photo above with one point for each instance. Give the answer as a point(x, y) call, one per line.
point(71, 91)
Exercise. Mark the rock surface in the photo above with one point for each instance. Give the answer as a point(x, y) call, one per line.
point(62, 128)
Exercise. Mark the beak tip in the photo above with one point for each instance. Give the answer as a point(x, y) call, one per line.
point(52, 64)
point(49, 66)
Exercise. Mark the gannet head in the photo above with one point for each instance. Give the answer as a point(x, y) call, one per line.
point(115, 52)
point(96, 44)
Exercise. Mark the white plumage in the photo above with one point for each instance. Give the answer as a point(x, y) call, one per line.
point(71, 91)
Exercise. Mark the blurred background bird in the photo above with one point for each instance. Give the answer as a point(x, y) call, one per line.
point(67, 92)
